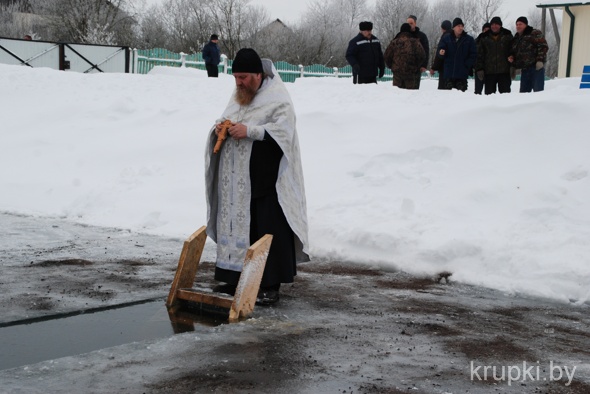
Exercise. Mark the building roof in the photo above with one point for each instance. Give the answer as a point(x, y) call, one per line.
point(560, 3)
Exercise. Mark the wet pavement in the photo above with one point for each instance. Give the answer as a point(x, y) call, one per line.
point(340, 328)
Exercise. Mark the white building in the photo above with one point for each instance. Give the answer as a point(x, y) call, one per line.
point(574, 51)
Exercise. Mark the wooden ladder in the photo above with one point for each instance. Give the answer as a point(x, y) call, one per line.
point(242, 303)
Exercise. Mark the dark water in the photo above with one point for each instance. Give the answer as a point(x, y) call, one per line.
point(30, 343)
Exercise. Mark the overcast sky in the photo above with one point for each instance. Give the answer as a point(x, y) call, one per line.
point(290, 10)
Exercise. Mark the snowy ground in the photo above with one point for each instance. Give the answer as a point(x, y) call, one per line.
point(494, 189)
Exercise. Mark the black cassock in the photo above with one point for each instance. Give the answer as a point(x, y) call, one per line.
point(267, 217)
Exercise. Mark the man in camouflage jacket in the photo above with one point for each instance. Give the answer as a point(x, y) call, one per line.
point(405, 55)
point(493, 49)
point(529, 54)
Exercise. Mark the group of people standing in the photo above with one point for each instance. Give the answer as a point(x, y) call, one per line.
point(493, 58)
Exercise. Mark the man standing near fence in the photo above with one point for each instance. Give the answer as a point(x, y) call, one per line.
point(365, 56)
point(438, 64)
point(212, 56)
point(529, 54)
point(404, 55)
point(416, 33)
point(255, 183)
point(492, 65)
point(459, 53)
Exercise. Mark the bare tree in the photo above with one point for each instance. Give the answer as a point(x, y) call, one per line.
point(235, 20)
point(188, 24)
point(152, 31)
point(325, 29)
point(389, 15)
point(488, 9)
point(88, 21)
point(16, 20)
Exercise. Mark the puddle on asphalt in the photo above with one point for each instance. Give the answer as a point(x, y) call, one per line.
point(49, 339)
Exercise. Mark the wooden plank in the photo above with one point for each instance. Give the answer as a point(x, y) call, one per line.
point(249, 283)
point(188, 263)
point(205, 298)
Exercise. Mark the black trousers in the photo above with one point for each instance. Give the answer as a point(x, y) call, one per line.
point(358, 79)
point(267, 217)
point(479, 84)
point(212, 70)
point(459, 84)
point(442, 82)
point(500, 81)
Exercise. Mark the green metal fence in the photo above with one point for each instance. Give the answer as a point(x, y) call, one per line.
point(146, 59)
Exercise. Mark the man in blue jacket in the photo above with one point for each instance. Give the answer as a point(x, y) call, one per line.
point(365, 56)
point(459, 53)
point(212, 56)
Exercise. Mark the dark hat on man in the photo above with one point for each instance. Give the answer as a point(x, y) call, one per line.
point(413, 17)
point(247, 61)
point(523, 19)
point(496, 20)
point(365, 26)
point(446, 25)
point(457, 22)
point(406, 28)
point(486, 25)
point(214, 37)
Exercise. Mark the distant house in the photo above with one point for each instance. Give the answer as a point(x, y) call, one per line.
point(274, 41)
point(275, 27)
point(574, 52)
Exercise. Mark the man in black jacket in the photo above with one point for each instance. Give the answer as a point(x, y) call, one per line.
point(493, 50)
point(365, 56)
point(212, 56)
point(479, 84)
point(424, 41)
point(438, 63)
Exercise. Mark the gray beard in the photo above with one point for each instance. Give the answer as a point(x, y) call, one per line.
point(244, 96)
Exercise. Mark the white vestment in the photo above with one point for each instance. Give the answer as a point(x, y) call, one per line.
point(227, 173)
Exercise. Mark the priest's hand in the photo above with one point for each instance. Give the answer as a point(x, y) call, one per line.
point(238, 131)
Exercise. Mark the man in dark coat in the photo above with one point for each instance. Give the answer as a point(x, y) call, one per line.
point(493, 50)
point(437, 63)
point(365, 56)
point(424, 41)
point(404, 55)
point(478, 82)
point(529, 54)
point(212, 56)
point(459, 53)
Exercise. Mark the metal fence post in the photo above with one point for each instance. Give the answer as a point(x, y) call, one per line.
point(224, 60)
point(182, 59)
point(301, 70)
point(335, 71)
point(135, 61)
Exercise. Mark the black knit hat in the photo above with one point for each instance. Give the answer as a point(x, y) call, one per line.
point(247, 61)
point(523, 19)
point(413, 17)
point(214, 37)
point(446, 25)
point(365, 26)
point(458, 21)
point(405, 28)
point(497, 20)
